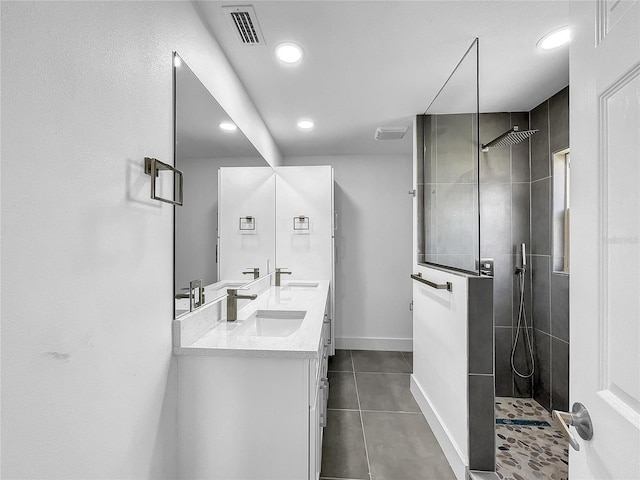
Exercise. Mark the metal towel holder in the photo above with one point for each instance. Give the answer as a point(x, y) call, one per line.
point(151, 167)
point(301, 222)
point(440, 286)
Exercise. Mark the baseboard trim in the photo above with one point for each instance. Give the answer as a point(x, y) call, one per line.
point(375, 343)
point(479, 475)
point(455, 458)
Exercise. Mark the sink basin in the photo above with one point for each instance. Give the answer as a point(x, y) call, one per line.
point(271, 323)
point(222, 286)
point(281, 314)
point(302, 285)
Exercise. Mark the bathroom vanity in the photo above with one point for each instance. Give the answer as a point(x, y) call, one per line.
point(252, 393)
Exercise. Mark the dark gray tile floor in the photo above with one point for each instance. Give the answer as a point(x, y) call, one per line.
point(375, 430)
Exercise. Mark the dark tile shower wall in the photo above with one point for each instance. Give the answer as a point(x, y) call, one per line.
point(505, 218)
point(515, 205)
point(550, 294)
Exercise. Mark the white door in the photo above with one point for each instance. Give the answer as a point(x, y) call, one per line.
point(605, 229)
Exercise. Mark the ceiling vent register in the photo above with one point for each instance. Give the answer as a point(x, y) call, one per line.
point(245, 24)
point(390, 133)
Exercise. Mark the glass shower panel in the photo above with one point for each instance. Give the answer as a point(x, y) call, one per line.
point(450, 218)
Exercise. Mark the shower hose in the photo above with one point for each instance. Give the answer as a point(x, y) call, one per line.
point(522, 323)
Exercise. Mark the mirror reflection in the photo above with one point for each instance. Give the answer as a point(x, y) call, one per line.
point(206, 141)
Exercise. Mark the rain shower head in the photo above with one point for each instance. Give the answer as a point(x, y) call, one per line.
point(510, 137)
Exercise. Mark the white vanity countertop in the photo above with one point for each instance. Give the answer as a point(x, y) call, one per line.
point(231, 339)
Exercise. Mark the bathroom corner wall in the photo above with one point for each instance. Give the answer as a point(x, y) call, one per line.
point(550, 294)
point(504, 226)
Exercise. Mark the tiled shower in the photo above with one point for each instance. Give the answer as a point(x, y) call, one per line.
point(515, 207)
point(482, 204)
point(517, 187)
point(510, 195)
point(516, 198)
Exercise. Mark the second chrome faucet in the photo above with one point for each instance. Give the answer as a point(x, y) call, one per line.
point(232, 302)
point(279, 273)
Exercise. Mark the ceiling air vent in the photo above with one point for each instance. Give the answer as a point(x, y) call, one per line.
point(245, 24)
point(390, 133)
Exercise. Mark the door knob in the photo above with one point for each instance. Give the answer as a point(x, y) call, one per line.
point(578, 418)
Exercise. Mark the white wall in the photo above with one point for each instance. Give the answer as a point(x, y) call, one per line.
point(88, 384)
point(373, 287)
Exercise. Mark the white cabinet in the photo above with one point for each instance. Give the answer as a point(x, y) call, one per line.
point(245, 417)
point(305, 227)
point(318, 414)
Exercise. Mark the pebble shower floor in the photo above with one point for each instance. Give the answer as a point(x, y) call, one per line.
point(529, 445)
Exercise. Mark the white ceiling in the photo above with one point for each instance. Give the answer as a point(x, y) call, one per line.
point(378, 63)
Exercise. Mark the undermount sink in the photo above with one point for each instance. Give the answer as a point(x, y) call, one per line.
point(271, 323)
point(225, 285)
point(282, 314)
point(302, 285)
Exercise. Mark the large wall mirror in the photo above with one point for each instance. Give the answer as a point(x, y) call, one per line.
point(208, 145)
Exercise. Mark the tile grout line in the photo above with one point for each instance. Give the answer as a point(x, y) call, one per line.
point(338, 478)
point(364, 437)
point(376, 373)
point(401, 412)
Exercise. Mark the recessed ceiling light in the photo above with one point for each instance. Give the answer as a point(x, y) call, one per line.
point(305, 124)
point(289, 53)
point(556, 38)
point(228, 126)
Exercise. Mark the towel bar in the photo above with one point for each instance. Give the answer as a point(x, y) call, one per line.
point(440, 286)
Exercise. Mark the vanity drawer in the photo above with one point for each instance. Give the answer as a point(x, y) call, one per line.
point(317, 422)
point(326, 329)
point(324, 362)
point(318, 372)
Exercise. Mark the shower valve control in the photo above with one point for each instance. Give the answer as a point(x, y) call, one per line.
point(486, 267)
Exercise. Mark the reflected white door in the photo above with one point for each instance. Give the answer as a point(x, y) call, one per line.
point(605, 230)
point(246, 222)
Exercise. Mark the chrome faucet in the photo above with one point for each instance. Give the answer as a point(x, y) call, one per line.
point(279, 273)
point(232, 302)
point(255, 271)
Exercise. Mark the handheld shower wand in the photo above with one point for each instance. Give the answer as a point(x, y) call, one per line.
point(522, 327)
